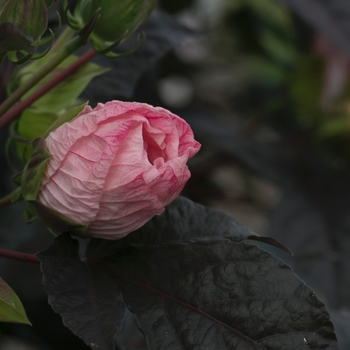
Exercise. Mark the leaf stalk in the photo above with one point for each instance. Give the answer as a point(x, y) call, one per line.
point(13, 112)
point(14, 255)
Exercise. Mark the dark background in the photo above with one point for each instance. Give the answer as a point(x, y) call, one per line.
point(265, 87)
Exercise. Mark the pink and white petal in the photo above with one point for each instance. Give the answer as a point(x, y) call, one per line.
point(123, 209)
point(59, 142)
point(169, 185)
point(92, 148)
point(112, 233)
point(115, 131)
point(75, 208)
point(116, 108)
point(186, 137)
point(124, 199)
point(62, 139)
point(149, 171)
point(178, 165)
point(83, 170)
point(127, 162)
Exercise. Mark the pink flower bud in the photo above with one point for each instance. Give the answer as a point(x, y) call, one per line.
point(114, 167)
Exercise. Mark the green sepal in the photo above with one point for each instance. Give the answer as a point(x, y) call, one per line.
point(35, 123)
point(31, 181)
point(33, 171)
point(32, 124)
point(29, 216)
point(40, 55)
point(110, 54)
point(12, 56)
point(18, 197)
point(17, 179)
point(11, 152)
point(53, 219)
point(73, 14)
point(11, 308)
point(85, 32)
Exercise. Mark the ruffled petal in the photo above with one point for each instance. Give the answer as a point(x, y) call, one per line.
point(116, 166)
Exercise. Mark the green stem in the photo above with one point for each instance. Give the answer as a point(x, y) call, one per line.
point(69, 49)
point(7, 200)
point(64, 37)
point(16, 110)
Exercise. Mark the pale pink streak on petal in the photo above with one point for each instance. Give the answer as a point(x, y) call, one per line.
point(121, 205)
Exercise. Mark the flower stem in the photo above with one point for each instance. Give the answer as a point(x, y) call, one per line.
point(70, 48)
point(11, 254)
point(7, 200)
point(13, 112)
point(64, 37)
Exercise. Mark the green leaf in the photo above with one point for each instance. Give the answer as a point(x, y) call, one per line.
point(32, 124)
point(97, 303)
point(30, 16)
point(64, 95)
point(34, 121)
point(6, 293)
point(11, 308)
point(66, 117)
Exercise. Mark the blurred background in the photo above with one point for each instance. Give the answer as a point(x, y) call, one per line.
point(265, 86)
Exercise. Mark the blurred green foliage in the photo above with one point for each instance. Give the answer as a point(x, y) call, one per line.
point(280, 77)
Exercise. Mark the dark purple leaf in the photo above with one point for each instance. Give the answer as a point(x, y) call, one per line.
point(191, 293)
point(194, 223)
point(86, 297)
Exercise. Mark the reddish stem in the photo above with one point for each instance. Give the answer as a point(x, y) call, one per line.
point(13, 112)
point(11, 254)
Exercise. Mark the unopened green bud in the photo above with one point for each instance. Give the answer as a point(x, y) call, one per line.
point(29, 16)
point(118, 18)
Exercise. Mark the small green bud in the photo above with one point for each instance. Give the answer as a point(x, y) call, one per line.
point(22, 23)
point(29, 16)
point(118, 18)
